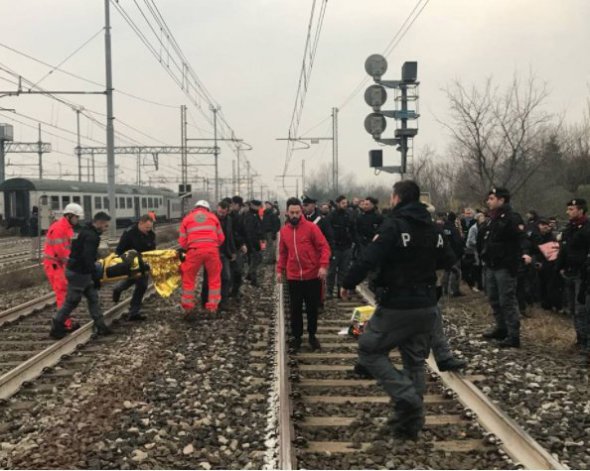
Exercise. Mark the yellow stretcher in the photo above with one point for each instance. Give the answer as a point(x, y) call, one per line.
point(162, 265)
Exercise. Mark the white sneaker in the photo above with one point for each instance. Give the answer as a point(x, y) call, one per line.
point(474, 289)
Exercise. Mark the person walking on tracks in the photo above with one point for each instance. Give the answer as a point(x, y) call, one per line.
point(141, 238)
point(304, 254)
point(201, 236)
point(83, 279)
point(58, 244)
point(406, 251)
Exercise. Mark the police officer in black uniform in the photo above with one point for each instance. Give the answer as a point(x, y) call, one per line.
point(406, 252)
point(503, 250)
point(141, 238)
point(83, 277)
point(239, 235)
point(342, 223)
point(573, 263)
point(254, 237)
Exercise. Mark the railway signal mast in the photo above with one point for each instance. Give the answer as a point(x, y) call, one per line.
point(406, 109)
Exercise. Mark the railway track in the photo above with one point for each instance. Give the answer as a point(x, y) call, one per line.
point(330, 418)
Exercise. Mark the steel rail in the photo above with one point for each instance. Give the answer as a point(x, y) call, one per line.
point(26, 309)
point(523, 449)
point(286, 455)
point(11, 381)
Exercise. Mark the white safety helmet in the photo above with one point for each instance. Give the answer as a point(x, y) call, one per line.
point(75, 209)
point(203, 204)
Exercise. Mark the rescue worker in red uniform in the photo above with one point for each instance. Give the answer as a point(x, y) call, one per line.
point(201, 236)
point(57, 252)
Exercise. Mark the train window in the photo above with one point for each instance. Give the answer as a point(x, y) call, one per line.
point(150, 203)
point(76, 199)
point(116, 203)
point(122, 203)
point(156, 205)
point(97, 202)
point(129, 202)
point(55, 202)
point(144, 203)
point(105, 202)
point(65, 200)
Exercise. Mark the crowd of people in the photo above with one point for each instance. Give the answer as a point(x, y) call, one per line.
point(409, 254)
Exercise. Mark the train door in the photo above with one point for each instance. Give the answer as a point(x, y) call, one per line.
point(87, 204)
point(136, 205)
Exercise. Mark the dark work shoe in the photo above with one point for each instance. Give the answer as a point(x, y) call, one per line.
point(136, 317)
point(509, 342)
point(494, 333)
point(116, 296)
point(295, 344)
point(407, 421)
point(452, 364)
point(314, 343)
point(361, 371)
point(58, 331)
point(102, 329)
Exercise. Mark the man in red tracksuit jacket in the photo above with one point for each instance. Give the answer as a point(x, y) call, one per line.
point(201, 236)
point(304, 254)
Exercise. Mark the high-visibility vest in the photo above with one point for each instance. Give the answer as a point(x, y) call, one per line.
point(200, 229)
point(58, 242)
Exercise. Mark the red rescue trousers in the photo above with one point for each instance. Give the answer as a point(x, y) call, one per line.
point(56, 274)
point(195, 259)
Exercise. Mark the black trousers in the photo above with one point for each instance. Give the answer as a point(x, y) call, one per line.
point(141, 285)
point(308, 291)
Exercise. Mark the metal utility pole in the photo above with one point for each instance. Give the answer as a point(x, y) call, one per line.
point(238, 172)
point(233, 176)
point(40, 154)
point(93, 167)
point(248, 180)
point(303, 176)
point(110, 119)
point(335, 150)
point(215, 110)
point(78, 146)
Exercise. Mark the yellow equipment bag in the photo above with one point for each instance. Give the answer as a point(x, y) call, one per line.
point(360, 317)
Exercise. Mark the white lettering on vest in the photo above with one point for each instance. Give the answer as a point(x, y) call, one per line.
point(405, 238)
point(440, 242)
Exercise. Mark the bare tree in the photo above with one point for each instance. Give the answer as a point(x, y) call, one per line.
point(499, 136)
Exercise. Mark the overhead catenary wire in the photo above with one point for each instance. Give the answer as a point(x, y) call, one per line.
point(314, 29)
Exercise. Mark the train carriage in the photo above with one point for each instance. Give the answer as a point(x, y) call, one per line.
point(22, 194)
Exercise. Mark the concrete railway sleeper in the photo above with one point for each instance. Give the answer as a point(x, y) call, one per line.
point(333, 419)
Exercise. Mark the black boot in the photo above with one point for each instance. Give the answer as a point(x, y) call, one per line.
point(314, 342)
point(116, 296)
point(361, 371)
point(58, 331)
point(452, 364)
point(509, 342)
point(495, 333)
point(136, 316)
point(102, 329)
point(295, 344)
point(407, 421)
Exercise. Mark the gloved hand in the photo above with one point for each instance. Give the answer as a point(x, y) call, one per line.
point(181, 254)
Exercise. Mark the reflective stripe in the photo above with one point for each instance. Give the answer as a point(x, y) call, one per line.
point(55, 241)
point(214, 291)
point(203, 240)
point(59, 259)
point(186, 291)
point(202, 228)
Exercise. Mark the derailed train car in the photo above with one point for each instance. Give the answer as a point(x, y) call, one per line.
point(21, 195)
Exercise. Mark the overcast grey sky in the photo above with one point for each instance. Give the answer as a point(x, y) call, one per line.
point(248, 54)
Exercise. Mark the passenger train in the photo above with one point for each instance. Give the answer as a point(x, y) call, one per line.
point(22, 194)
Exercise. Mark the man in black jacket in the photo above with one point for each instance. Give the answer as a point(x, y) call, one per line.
point(271, 225)
point(313, 215)
point(239, 235)
point(342, 223)
point(227, 255)
point(141, 238)
point(406, 252)
point(367, 224)
point(502, 252)
point(452, 277)
point(254, 236)
point(573, 264)
point(83, 277)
